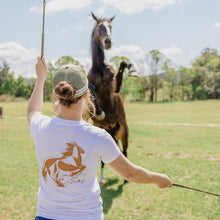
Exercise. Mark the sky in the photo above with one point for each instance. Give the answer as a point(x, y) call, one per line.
point(180, 29)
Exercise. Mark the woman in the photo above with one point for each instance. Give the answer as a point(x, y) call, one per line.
point(69, 151)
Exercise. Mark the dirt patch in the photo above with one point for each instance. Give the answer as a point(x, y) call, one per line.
point(213, 158)
point(183, 156)
point(177, 155)
point(176, 124)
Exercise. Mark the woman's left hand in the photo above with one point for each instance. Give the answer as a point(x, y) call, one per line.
point(41, 68)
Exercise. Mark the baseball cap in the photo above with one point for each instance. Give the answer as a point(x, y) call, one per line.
point(75, 75)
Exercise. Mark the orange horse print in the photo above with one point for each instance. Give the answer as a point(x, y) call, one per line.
point(66, 169)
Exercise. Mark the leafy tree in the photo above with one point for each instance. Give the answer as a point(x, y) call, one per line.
point(65, 60)
point(141, 85)
point(4, 71)
point(48, 87)
point(22, 87)
point(196, 79)
point(155, 62)
point(9, 85)
point(183, 74)
point(170, 77)
point(206, 70)
point(172, 82)
point(116, 60)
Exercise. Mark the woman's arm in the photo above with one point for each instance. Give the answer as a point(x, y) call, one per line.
point(36, 100)
point(127, 170)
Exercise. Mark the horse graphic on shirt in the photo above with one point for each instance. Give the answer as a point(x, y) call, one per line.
point(66, 169)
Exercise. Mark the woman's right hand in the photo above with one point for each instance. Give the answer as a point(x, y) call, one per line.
point(163, 181)
point(41, 68)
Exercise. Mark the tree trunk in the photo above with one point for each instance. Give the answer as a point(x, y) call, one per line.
point(152, 94)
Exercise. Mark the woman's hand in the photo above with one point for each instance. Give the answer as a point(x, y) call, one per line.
point(41, 68)
point(163, 181)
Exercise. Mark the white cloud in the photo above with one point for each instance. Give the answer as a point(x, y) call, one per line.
point(131, 6)
point(80, 26)
point(86, 62)
point(64, 31)
point(83, 52)
point(101, 10)
point(217, 24)
point(173, 50)
point(132, 52)
point(20, 59)
point(62, 5)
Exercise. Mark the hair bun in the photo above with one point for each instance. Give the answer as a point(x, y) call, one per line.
point(65, 90)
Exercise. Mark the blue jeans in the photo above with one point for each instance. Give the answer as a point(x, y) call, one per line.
point(42, 218)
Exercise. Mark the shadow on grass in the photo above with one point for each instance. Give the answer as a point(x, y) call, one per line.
point(108, 193)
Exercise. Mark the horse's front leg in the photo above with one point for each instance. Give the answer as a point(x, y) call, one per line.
point(119, 77)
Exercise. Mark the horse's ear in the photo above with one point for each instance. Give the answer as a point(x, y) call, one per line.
point(94, 17)
point(111, 19)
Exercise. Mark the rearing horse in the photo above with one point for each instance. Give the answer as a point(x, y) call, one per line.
point(107, 83)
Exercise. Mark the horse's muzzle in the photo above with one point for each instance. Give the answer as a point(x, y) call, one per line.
point(108, 44)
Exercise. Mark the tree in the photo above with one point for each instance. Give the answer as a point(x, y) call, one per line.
point(172, 82)
point(116, 60)
point(48, 86)
point(4, 71)
point(155, 63)
point(65, 60)
point(9, 85)
point(184, 82)
point(22, 87)
point(206, 70)
point(196, 79)
point(171, 77)
point(141, 85)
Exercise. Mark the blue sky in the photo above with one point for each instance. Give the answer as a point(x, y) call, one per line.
point(180, 29)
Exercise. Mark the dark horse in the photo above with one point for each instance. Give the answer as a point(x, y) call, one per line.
point(107, 83)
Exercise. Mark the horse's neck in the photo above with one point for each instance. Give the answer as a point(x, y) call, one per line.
point(98, 56)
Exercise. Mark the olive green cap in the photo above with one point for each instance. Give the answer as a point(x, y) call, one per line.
point(73, 74)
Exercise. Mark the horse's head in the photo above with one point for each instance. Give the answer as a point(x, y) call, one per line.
point(102, 31)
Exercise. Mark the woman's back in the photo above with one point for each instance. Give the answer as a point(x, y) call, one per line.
point(69, 153)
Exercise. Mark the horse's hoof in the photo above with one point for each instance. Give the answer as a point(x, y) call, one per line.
point(100, 117)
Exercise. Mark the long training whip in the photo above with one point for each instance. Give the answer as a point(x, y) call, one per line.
point(199, 190)
point(42, 39)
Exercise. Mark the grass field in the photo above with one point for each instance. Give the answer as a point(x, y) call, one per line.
point(190, 155)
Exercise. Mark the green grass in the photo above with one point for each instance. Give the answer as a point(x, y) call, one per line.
point(189, 155)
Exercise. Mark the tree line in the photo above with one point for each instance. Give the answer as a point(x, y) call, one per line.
point(164, 82)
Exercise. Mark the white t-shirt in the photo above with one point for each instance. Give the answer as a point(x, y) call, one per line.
point(69, 154)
